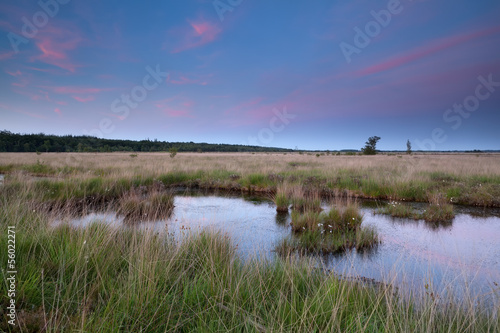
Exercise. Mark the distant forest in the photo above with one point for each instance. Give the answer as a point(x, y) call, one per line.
point(14, 142)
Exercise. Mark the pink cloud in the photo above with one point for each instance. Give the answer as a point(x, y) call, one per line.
point(185, 79)
point(16, 73)
point(177, 106)
point(55, 44)
point(6, 55)
point(35, 96)
point(31, 114)
point(244, 106)
point(416, 54)
point(84, 99)
point(38, 69)
point(76, 90)
point(58, 111)
point(198, 34)
point(178, 113)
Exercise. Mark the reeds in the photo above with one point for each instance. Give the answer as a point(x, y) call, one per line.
point(438, 210)
point(136, 205)
point(336, 231)
point(303, 201)
point(282, 199)
point(102, 279)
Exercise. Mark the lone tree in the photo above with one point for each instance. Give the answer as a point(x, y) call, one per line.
point(370, 147)
point(173, 151)
point(408, 147)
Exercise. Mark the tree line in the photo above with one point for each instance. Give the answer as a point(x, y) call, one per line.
point(16, 142)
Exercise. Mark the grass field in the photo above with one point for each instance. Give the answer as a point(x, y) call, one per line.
point(101, 279)
point(467, 179)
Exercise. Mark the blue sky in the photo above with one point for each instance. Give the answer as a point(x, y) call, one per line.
point(313, 75)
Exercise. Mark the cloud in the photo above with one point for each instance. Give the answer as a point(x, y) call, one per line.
point(198, 34)
point(184, 79)
point(31, 114)
point(76, 90)
point(244, 106)
point(80, 94)
point(422, 52)
point(83, 99)
point(55, 44)
point(40, 95)
point(6, 55)
point(178, 113)
point(177, 106)
point(58, 111)
point(16, 73)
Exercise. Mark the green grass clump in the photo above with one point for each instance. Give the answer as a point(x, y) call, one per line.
point(308, 221)
point(282, 201)
point(400, 210)
point(302, 202)
point(336, 231)
point(136, 206)
point(438, 213)
point(439, 210)
point(39, 169)
point(346, 218)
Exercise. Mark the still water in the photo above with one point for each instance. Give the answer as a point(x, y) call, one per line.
point(463, 253)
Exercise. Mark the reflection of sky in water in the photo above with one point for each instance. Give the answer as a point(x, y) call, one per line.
point(411, 251)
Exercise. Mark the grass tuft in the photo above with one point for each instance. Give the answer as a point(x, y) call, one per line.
point(138, 206)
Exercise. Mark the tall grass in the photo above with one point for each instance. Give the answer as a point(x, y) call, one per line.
point(281, 199)
point(102, 279)
point(439, 210)
point(336, 231)
point(461, 178)
point(136, 206)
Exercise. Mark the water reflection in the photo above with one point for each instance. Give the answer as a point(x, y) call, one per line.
point(433, 226)
point(412, 252)
point(282, 218)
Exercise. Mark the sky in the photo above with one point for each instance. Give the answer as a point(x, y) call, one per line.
point(324, 74)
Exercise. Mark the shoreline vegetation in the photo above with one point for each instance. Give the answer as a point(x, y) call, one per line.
point(315, 231)
point(101, 279)
point(438, 210)
point(458, 179)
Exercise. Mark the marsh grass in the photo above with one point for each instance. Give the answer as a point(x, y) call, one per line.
point(282, 199)
point(303, 201)
point(336, 231)
point(137, 206)
point(463, 178)
point(438, 210)
point(104, 279)
point(399, 210)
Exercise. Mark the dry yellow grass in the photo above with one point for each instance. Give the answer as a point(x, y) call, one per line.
point(472, 179)
point(405, 167)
